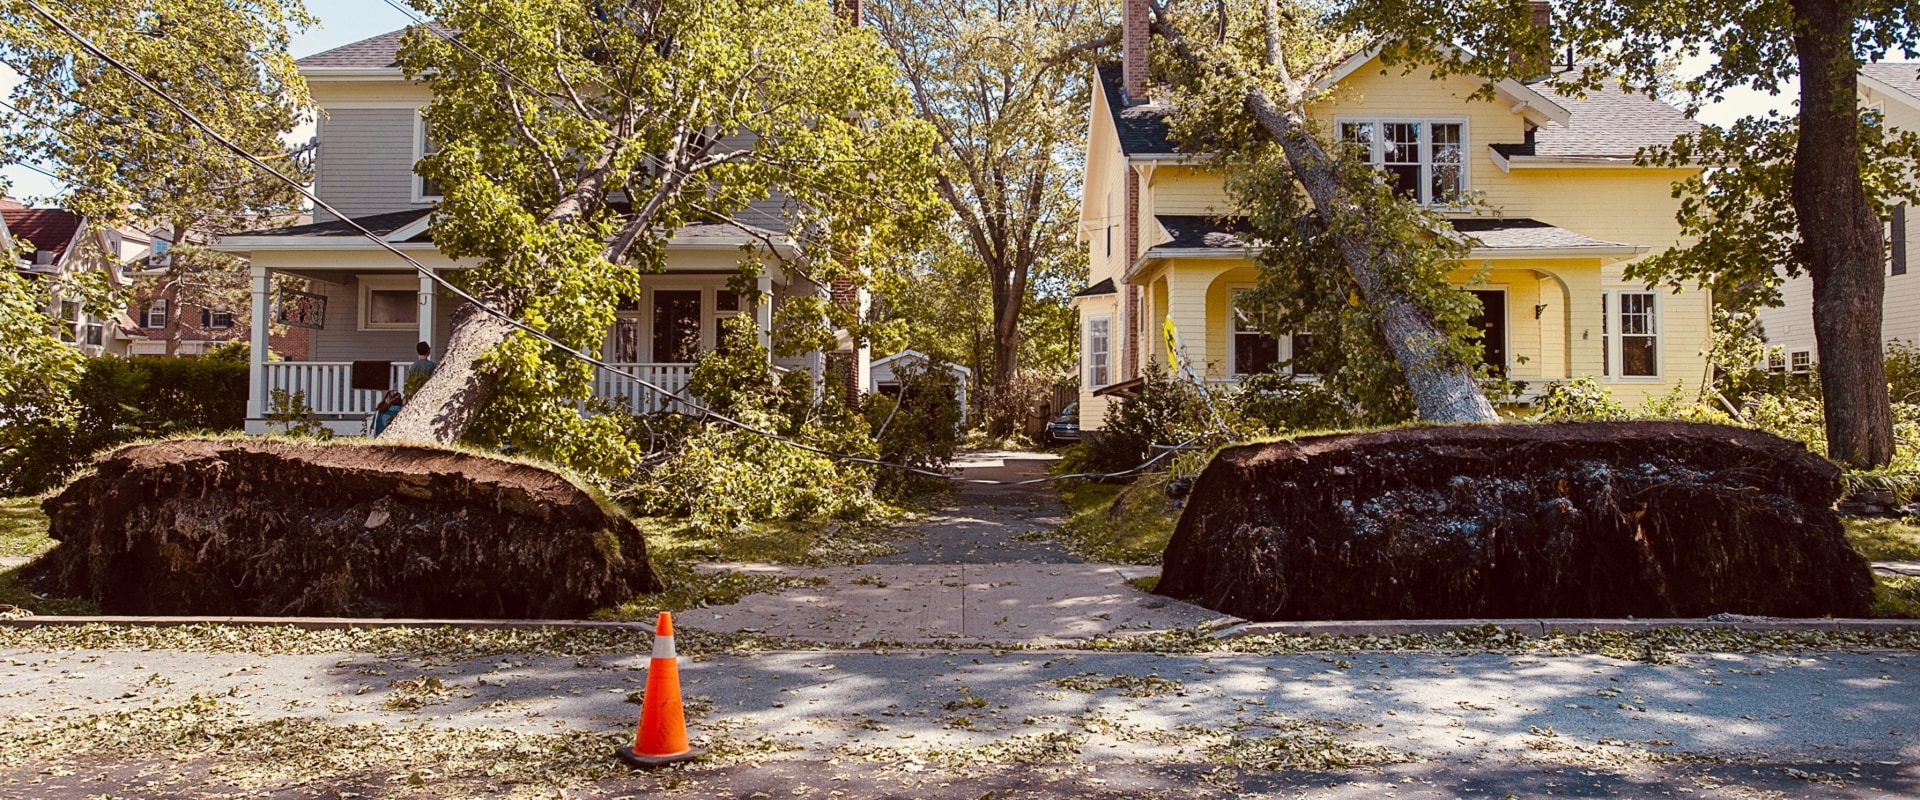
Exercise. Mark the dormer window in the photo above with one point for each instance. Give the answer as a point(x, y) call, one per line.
point(1424, 159)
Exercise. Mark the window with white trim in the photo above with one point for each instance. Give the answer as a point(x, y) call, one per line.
point(1801, 361)
point(389, 302)
point(216, 318)
point(1099, 352)
point(1776, 360)
point(1630, 334)
point(1254, 350)
point(1423, 159)
point(155, 315)
point(424, 189)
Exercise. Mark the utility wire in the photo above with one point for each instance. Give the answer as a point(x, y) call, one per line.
point(503, 316)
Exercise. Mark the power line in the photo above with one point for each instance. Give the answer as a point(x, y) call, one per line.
point(503, 316)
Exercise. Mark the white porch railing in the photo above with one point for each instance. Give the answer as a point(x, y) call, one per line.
point(328, 386)
point(627, 392)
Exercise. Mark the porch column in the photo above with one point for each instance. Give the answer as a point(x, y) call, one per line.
point(763, 313)
point(429, 298)
point(262, 318)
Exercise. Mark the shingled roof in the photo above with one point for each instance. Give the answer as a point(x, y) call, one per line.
point(1143, 128)
point(49, 229)
point(1902, 75)
point(379, 52)
point(1520, 233)
point(1190, 231)
point(1607, 123)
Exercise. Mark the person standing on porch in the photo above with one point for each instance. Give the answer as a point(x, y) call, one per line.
point(422, 366)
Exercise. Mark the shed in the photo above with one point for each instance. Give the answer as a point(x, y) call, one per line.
point(883, 369)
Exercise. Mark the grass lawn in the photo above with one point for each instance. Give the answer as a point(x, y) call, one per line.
point(676, 546)
point(1889, 540)
point(1123, 524)
point(23, 527)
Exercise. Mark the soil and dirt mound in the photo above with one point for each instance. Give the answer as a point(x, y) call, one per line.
point(265, 528)
point(1602, 519)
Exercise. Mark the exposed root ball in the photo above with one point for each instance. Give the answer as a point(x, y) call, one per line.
point(265, 528)
point(1602, 519)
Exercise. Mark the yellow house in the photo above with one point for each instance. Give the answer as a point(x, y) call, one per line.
point(1565, 211)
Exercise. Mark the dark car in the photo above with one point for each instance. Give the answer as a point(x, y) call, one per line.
point(1065, 427)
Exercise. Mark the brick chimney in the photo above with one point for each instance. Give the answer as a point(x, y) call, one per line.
point(853, 10)
point(1134, 33)
point(1533, 67)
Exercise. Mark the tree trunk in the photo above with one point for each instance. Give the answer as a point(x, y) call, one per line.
point(1006, 350)
point(1840, 239)
point(1443, 389)
point(445, 407)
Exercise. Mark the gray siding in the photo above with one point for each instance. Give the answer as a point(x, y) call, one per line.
point(342, 339)
point(365, 163)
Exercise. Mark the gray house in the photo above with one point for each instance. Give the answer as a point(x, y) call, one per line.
point(365, 304)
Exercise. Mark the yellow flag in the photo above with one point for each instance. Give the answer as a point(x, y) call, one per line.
point(1173, 343)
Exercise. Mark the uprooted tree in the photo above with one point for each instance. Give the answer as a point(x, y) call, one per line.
point(1243, 94)
point(1786, 196)
point(573, 140)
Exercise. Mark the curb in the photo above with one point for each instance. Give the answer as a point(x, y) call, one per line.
point(328, 623)
point(1548, 627)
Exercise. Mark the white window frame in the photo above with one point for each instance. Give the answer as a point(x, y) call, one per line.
point(1106, 365)
point(1800, 362)
point(146, 314)
point(1613, 336)
point(211, 316)
point(1377, 157)
point(386, 283)
point(1283, 341)
point(419, 152)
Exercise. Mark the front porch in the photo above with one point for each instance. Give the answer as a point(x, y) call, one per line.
point(327, 389)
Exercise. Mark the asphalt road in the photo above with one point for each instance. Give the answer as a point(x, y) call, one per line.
point(1172, 723)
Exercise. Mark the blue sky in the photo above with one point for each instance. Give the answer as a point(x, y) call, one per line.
point(348, 21)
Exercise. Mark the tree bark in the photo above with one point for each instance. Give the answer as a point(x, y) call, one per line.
point(1840, 239)
point(446, 405)
point(1443, 389)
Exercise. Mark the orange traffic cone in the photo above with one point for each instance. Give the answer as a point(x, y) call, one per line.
point(662, 738)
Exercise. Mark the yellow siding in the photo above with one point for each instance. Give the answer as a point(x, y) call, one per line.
point(1627, 205)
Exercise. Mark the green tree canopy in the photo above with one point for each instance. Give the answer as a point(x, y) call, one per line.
point(573, 140)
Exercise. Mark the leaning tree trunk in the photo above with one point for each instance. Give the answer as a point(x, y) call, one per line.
point(1443, 388)
point(444, 407)
point(1841, 238)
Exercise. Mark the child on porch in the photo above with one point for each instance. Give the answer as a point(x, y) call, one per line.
point(385, 412)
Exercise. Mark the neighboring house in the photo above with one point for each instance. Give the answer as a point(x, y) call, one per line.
point(1569, 211)
point(1891, 89)
point(65, 243)
point(201, 325)
point(885, 378)
point(365, 304)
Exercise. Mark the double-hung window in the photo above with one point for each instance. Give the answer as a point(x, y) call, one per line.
point(1255, 350)
point(424, 189)
point(1630, 334)
point(155, 315)
point(1425, 160)
point(216, 318)
point(1099, 352)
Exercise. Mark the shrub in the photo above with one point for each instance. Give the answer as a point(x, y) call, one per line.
point(1273, 403)
point(920, 427)
point(1166, 411)
point(114, 401)
point(1578, 400)
point(723, 477)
